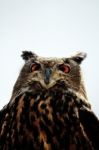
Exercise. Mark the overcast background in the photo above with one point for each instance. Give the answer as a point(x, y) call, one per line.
point(49, 28)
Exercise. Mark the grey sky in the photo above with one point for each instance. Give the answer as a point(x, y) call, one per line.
point(49, 28)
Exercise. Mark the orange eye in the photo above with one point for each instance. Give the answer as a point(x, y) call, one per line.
point(64, 68)
point(35, 67)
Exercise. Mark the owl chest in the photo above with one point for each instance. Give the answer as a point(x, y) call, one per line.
point(42, 122)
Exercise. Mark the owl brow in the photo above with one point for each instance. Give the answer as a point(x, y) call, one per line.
point(34, 61)
point(66, 60)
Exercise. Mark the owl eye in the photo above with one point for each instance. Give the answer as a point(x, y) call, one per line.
point(64, 68)
point(34, 67)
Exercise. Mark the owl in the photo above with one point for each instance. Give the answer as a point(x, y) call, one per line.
point(49, 108)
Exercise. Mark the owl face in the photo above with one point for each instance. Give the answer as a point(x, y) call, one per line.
point(48, 72)
point(40, 73)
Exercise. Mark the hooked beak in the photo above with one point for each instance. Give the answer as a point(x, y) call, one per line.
point(47, 75)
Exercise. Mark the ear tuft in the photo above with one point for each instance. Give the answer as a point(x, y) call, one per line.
point(26, 55)
point(79, 57)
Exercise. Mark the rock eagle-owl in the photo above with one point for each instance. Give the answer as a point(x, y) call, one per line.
point(49, 109)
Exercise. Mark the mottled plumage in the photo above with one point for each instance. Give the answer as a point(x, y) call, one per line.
point(49, 109)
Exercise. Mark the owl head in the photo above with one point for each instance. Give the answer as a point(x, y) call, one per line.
point(40, 73)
